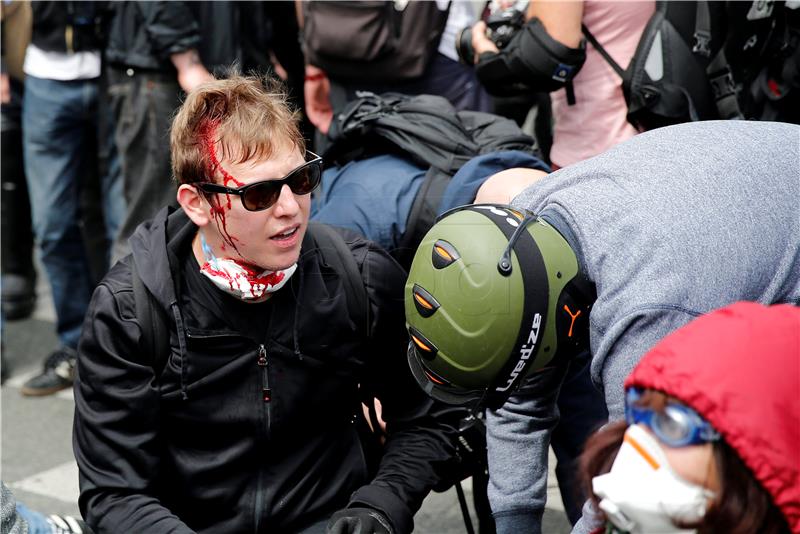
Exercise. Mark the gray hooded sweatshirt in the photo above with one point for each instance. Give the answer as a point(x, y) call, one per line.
point(669, 225)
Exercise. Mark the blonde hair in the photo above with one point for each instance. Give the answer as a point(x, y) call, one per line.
point(236, 119)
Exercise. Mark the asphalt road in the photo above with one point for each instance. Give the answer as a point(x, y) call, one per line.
point(36, 456)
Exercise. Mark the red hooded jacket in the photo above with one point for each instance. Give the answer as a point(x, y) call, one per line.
point(739, 367)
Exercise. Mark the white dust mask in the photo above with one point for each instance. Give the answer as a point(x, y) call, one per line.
point(643, 495)
point(240, 280)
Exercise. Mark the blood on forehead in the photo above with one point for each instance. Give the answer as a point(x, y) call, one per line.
point(208, 133)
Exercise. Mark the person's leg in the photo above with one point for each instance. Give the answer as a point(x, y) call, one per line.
point(582, 410)
point(54, 117)
point(457, 83)
point(37, 522)
point(143, 106)
point(90, 211)
point(112, 192)
point(18, 273)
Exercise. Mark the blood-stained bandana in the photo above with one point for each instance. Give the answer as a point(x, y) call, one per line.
point(240, 280)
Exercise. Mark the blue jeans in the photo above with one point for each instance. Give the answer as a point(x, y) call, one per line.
point(59, 120)
point(37, 522)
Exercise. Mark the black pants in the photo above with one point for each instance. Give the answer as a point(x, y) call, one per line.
point(143, 103)
point(17, 234)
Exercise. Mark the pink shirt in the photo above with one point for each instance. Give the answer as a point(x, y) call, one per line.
point(597, 120)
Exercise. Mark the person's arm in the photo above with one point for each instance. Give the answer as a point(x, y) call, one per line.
point(561, 19)
point(419, 449)
point(316, 87)
point(174, 34)
point(618, 351)
point(538, 57)
point(286, 47)
point(316, 91)
point(191, 71)
point(5, 84)
point(518, 440)
point(115, 433)
point(5, 88)
point(625, 342)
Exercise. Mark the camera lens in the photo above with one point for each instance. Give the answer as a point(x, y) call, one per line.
point(464, 46)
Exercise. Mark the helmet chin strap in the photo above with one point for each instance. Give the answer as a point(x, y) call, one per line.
point(572, 308)
point(529, 344)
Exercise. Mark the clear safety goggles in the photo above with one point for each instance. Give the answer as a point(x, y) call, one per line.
point(676, 425)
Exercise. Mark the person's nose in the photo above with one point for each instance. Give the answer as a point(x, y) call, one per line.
point(286, 205)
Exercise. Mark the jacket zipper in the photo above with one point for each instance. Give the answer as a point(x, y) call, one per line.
point(266, 392)
point(266, 398)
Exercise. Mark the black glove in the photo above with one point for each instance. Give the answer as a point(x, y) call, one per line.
point(358, 521)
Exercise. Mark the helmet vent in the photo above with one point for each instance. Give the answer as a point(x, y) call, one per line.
point(443, 254)
point(424, 302)
point(424, 347)
point(433, 378)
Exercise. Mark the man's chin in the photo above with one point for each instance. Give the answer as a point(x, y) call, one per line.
point(281, 261)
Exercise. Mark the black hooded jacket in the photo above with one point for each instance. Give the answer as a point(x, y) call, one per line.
point(198, 448)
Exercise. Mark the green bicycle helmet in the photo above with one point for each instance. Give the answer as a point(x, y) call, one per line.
point(493, 294)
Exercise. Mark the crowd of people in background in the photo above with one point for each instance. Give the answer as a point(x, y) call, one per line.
point(128, 128)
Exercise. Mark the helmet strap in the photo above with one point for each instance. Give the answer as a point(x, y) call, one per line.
point(534, 316)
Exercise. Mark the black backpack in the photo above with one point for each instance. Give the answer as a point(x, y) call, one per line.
point(700, 61)
point(372, 40)
point(428, 130)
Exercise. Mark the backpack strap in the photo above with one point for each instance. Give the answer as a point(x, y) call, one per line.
point(718, 71)
point(337, 255)
point(603, 52)
point(723, 86)
point(152, 321)
point(422, 215)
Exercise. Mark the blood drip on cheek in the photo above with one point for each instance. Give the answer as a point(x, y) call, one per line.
point(218, 213)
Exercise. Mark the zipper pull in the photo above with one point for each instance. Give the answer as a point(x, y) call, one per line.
point(266, 392)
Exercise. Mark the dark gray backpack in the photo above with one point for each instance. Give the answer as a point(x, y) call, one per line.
point(702, 60)
point(429, 131)
point(372, 40)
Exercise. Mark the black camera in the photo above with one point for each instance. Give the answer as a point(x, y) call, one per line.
point(500, 28)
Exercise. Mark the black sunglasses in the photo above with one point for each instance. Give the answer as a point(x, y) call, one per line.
point(261, 195)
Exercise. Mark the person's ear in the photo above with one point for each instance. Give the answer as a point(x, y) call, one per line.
point(194, 204)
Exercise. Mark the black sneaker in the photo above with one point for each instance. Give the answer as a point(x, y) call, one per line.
point(66, 524)
point(58, 374)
